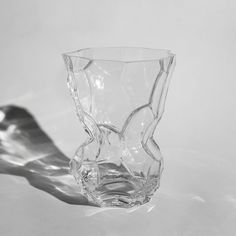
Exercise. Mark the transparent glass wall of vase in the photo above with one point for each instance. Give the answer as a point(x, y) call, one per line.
point(119, 94)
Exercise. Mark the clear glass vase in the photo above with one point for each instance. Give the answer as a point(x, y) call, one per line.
point(119, 94)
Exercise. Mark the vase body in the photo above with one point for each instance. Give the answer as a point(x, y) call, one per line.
point(119, 94)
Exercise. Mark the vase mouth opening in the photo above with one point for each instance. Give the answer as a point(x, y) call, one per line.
point(121, 54)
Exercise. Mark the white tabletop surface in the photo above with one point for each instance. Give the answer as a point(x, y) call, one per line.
point(197, 197)
point(197, 133)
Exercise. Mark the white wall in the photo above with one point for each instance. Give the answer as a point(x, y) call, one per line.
point(200, 111)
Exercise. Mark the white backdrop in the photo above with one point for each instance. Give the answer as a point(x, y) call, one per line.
point(200, 109)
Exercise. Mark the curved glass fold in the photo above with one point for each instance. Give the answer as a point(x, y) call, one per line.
point(119, 94)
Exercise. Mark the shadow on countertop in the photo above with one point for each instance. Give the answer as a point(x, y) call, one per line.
point(27, 151)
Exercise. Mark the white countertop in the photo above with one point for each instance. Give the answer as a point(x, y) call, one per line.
point(197, 197)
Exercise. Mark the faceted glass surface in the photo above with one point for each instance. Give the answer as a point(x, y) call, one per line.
point(119, 94)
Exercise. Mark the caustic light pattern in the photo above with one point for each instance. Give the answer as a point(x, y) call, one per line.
point(119, 95)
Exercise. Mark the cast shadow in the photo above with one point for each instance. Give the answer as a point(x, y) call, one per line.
point(27, 151)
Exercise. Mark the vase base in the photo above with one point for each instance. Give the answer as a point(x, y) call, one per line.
point(122, 192)
point(114, 185)
point(118, 188)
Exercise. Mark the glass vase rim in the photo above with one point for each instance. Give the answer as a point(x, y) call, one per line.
point(75, 53)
